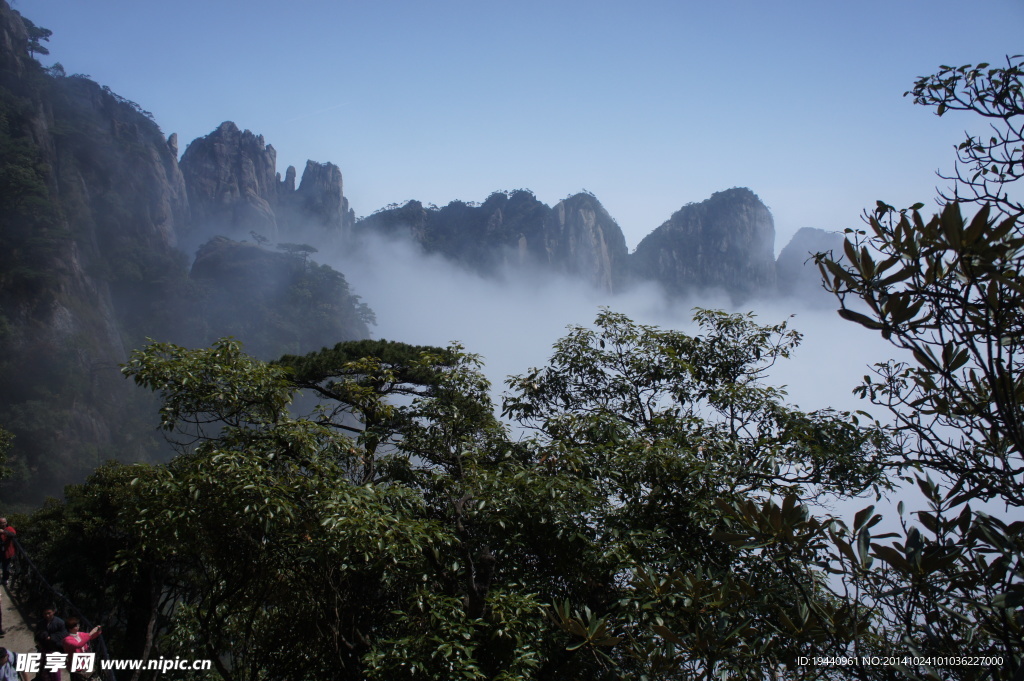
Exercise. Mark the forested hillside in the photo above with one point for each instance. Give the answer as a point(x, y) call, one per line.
point(92, 208)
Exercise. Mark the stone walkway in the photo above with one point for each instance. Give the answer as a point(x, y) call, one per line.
point(18, 635)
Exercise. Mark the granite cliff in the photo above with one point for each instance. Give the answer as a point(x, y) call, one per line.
point(725, 242)
point(514, 230)
point(587, 242)
point(94, 209)
point(234, 188)
point(90, 203)
point(797, 275)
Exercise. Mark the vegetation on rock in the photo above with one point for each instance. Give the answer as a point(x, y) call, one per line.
point(91, 205)
point(398, 524)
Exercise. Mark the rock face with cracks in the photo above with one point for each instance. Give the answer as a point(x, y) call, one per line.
point(91, 202)
point(588, 242)
point(725, 243)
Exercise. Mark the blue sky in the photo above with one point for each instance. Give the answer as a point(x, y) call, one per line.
point(649, 105)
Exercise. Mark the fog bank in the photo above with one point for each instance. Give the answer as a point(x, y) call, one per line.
point(513, 318)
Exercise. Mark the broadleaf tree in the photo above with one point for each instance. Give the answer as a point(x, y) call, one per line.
point(947, 291)
point(361, 512)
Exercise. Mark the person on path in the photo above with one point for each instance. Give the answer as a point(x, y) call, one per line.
point(78, 642)
point(7, 534)
point(53, 627)
point(8, 661)
point(46, 646)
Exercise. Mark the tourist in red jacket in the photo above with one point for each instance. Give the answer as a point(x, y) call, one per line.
point(7, 534)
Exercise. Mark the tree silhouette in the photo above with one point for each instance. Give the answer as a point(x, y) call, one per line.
point(302, 250)
point(35, 35)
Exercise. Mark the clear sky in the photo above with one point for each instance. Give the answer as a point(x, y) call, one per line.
point(649, 105)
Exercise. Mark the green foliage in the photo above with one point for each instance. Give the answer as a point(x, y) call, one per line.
point(666, 431)
point(397, 524)
point(361, 512)
point(985, 166)
point(301, 250)
point(35, 35)
point(79, 538)
point(699, 404)
point(287, 527)
point(6, 440)
point(220, 386)
point(948, 292)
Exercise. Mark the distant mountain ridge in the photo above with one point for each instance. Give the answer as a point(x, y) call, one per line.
point(576, 237)
point(796, 275)
point(100, 225)
point(725, 243)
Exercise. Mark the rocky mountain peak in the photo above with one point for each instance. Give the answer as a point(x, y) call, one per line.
point(235, 189)
point(14, 55)
point(725, 242)
point(796, 272)
point(232, 182)
point(514, 229)
point(589, 242)
point(320, 198)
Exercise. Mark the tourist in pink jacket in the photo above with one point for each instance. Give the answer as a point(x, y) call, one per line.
point(78, 642)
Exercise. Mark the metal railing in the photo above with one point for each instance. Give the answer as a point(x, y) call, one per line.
point(33, 590)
